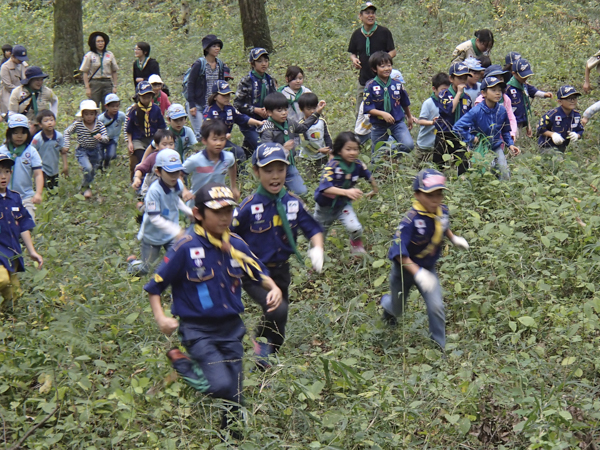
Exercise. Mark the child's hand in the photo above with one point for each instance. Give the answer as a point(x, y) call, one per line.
point(64, 150)
point(65, 171)
point(513, 150)
point(461, 88)
point(262, 112)
point(529, 132)
point(274, 297)
point(387, 117)
point(476, 140)
point(320, 106)
point(187, 195)
point(167, 325)
point(130, 146)
point(356, 62)
point(410, 122)
point(88, 92)
point(193, 111)
point(236, 194)
point(586, 87)
point(548, 95)
point(228, 136)
point(36, 199)
point(137, 182)
point(37, 258)
point(98, 137)
point(324, 150)
point(584, 121)
point(289, 145)
point(354, 193)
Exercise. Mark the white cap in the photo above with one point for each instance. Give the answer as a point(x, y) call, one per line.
point(168, 160)
point(155, 79)
point(87, 105)
point(111, 98)
point(18, 121)
point(175, 111)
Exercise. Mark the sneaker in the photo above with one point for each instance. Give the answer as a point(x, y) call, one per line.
point(262, 351)
point(87, 194)
point(356, 247)
point(187, 369)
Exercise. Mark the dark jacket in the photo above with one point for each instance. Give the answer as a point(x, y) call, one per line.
point(150, 68)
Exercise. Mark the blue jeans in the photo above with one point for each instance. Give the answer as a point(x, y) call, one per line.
point(89, 160)
point(399, 131)
point(195, 122)
point(294, 182)
point(251, 137)
point(149, 253)
point(501, 164)
point(108, 151)
point(400, 283)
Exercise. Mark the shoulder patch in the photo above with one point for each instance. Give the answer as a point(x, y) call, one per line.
point(185, 239)
point(245, 202)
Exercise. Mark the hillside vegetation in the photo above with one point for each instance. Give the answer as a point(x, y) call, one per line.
point(523, 306)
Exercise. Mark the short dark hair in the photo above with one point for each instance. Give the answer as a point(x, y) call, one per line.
point(439, 79)
point(198, 203)
point(276, 100)
point(6, 163)
point(214, 126)
point(266, 55)
point(485, 36)
point(378, 58)
point(292, 72)
point(342, 139)
point(484, 61)
point(161, 134)
point(145, 47)
point(10, 132)
point(44, 113)
point(308, 100)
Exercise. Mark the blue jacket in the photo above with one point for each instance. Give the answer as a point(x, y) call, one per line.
point(157, 122)
point(374, 99)
point(447, 117)
point(334, 176)
point(229, 115)
point(197, 82)
point(14, 219)
point(557, 121)
point(492, 123)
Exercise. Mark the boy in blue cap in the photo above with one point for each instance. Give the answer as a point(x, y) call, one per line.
point(387, 102)
point(205, 270)
point(415, 251)
point(563, 124)
point(520, 92)
point(269, 221)
point(15, 223)
point(113, 121)
point(251, 93)
point(185, 138)
point(487, 124)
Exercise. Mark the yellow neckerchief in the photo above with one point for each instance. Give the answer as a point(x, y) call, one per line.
point(438, 234)
point(146, 110)
point(246, 262)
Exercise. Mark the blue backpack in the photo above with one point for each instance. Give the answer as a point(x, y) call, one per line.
point(186, 75)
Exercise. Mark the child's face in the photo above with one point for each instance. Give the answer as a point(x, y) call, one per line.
point(214, 143)
point(272, 176)
point(458, 81)
point(384, 70)
point(48, 123)
point(214, 50)
point(223, 100)
point(7, 54)
point(113, 108)
point(350, 151)
point(156, 88)
point(177, 124)
point(19, 136)
point(36, 84)
point(169, 178)
point(568, 104)
point(475, 78)
point(215, 221)
point(519, 78)
point(279, 115)
point(261, 64)
point(441, 88)
point(296, 83)
point(493, 94)
point(88, 116)
point(308, 111)
point(146, 99)
point(166, 142)
point(5, 174)
point(431, 201)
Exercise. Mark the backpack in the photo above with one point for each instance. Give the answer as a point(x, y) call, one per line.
point(186, 75)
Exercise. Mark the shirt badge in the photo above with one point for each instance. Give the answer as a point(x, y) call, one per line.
point(376, 88)
point(420, 223)
point(257, 217)
point(197, 252)
point(293, 206)
point(258, 208)
point(291, 216)
point(557, 119)
point(234, 263)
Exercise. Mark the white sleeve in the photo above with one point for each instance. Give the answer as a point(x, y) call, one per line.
point(540, 94)
point(54, 106)
point(185, 208)
point(164, 225)
point(592, 110)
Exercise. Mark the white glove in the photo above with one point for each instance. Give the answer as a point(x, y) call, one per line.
point(426, 280)
point(316, 258)
point(557, 138)
point(573, 136)
point(460, 242)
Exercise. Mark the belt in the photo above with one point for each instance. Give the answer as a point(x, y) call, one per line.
point(277, 264)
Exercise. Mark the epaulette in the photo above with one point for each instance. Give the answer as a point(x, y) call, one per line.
point(246, 201)
point(185, 239)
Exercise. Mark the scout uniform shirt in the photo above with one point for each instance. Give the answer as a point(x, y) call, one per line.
point(557, 121)
point(14, 219)
point(49, 150)
point(205, 281)
point(163, 200)
point(183, 141)
point(204, 171)
point(229, 115)
point(99, 66)
point(256, 220)
point(374, 98)
point(335, 175)
point(21, 180)
point(520, 102)
point(447, 117)
point(113, 125)
point(21, 102)
point(417, 238)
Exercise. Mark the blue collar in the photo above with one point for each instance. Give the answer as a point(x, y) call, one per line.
point(221, 155)
point(166, 188)
point(46, 139)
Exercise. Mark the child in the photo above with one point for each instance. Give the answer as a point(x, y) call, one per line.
point(497, 71)
point(269, 221)
point(415, 250)
point(90, 133)
point(143, 120)
point(510, 60)
point(388, 104)
point(430, 111)
point(473, 87)
point(251, 93)
point(212, 163)
point(487, 124)
point(336, 190)
point(219, 107)
point(282, 130)
point(160, 225)
point(6, 53)
point(15, 224)
point(160, 98)
point(593, 62)
point(481, 44)
point(184, 136)
point(519, 98)
point(32, 96)
point(113, 121)
point(588, 113)
point(28, 163)
point(294, 77)
point(145, 170)
point(204, 270)
point(50, 145)
point(452, 104)
point(561, 125)
point(317, 140)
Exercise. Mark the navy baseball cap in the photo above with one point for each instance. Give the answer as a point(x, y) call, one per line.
point(31, 73)
point(495, 70)
point(143, 87)
point(256, 53)
point(169, 160)
point(566, 91)
point(222, 87)
point(20, 53)
point(214, 196)
point(268, 153)
point(6, 160)
point(522, 68)
point(489, 82)
point(512, 57)
point(459, 69)
point(429, 180)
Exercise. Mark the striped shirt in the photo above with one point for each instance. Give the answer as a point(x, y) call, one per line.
point(212, 75)
point(85, 136)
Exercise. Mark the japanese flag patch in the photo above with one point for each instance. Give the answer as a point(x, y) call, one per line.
point(258, 208)
point(197, 253)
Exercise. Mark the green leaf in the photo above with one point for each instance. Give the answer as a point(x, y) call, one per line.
point(379, 263)
point(131, 318)
point(464, 425)
point(566, 415)
point(452, 419)
point(527, 321)
point(568, 361)
point(379, 281)
point(39, 276)
point(79, 197)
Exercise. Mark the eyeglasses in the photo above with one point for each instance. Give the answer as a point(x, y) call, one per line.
point(368, 12)
point(156, 85)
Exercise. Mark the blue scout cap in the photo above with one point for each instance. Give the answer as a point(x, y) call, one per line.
point(566, 91)
point(176, 111)
point(256, 53)
point(396, 75)
point(221, 87)
point(31, 73)
point(20, 53)
point(512, 57)
point(489, 82)
point(458, 69)
point(168, 160)
point(6, 160)
point(429, 180)
point(473, 64)
point(366, 6)
point(495, 70)
point(522, 68)
point(111, 98)
point(143, 87)
point(215, 196)
point(268, 153)
point(18, 121)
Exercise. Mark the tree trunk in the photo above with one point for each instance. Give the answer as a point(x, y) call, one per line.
point(255, 25)
point(68, 39)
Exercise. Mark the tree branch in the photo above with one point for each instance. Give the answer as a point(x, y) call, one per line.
point(32, 429)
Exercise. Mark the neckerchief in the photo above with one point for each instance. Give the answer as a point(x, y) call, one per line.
point(387, 99)
point(101, 62)
point(348, 170)
point(178, 140)
point(263, 85)
point(368, 36)
point(514, 83)
point(291, 101)
point(146, 110)
point(285, 129)
point(458, 107)
point(15, 152)
point(283, 216)
point(438, 234)
point(475, 49)
point(34, 94)
point(142, 65)
point(246, 262)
